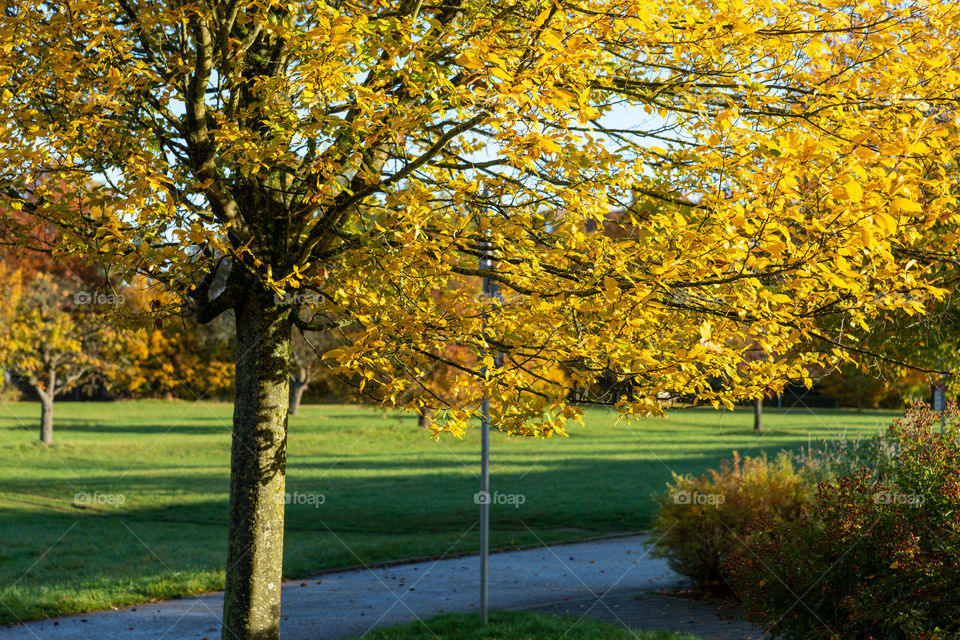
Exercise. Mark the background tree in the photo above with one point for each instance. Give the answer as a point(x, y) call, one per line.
point(371, 152)
point(166, 353)
point(306, 365)
point(856, 384)
point(177, 359)
point(903, 354)
point(48, 340)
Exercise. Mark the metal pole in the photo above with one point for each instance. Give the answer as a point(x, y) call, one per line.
point(485, 504)
point(488, 292)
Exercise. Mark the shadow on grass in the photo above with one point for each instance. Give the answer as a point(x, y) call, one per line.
point(379, 506)
point(425, 495)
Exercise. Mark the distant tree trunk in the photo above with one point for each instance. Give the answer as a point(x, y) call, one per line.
point(297, 387)
point(46, 407)
point(758, 414)
point(46, 420)
point(424, 417)
point(251, 604)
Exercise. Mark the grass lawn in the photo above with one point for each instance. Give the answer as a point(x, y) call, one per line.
point(388, 490)
point(505, 625)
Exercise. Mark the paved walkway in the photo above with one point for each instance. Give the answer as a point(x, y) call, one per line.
point(560, 579)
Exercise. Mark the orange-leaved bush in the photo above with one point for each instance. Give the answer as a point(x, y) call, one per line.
point(703, 519)
point(874, 555)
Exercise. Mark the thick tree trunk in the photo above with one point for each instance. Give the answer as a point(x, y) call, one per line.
point(251, 606)
point(758, 414)
point(296, 395)
point(46, 407)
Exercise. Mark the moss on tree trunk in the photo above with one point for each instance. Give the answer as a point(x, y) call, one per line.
point(251, 607)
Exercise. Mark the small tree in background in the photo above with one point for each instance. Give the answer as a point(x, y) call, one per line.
point(306, 364)
point(50, 338)
point(172, 355)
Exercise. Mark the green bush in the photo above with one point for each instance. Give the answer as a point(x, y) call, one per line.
point(873, 555)
point(703, 519)
point(843, 456)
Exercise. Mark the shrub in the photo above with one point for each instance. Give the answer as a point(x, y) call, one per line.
point(843, 456)
point(873, 555)
point(703, 519)
point(10, 393)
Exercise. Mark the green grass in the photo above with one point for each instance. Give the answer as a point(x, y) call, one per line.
point(504, 625)
point(390, 491)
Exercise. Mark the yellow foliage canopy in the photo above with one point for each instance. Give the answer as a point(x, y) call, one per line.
point(658, 183)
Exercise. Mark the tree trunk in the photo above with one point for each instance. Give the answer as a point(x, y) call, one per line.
point(251, 605)
point(758, 414)
point(46, 419)
point(424, 417)
point(296, 395)
point(46, 407)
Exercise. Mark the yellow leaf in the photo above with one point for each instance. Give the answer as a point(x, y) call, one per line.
point(551, 40)
point(905, 205)
point(611, 288)
point(550, 146)
point(469, 60)
point(886, 222)
point(705, 330)
point(501, 73)
point(854, 191)
point(540, 19)
point(334, 354)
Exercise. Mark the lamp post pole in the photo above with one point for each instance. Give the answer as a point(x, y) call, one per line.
point(490, 293)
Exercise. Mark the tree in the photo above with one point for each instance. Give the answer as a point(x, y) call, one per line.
point(46, 340)
point(177, 359)
point(904, 353)
point(430, 384)
point(174, 355)
point(371, 152)
point(305, 364)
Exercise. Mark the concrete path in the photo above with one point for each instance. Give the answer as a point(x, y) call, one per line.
point(350, 603)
